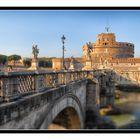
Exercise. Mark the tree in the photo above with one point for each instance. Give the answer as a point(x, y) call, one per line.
point(14, 58)
point(42, 63)
point(45, 62)
point(3, 59)
point(27, 62)
point(49, 63)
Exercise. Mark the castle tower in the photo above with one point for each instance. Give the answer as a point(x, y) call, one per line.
point(107, 46)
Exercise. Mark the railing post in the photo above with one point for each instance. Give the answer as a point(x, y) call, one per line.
point(62, 76)
point(36, 82)
point(85, 74)
point(2, 89)
point(55, 79)
point(39, 82)
point(66, 77)
point(76, 75)
point(81, 75)
point(11, 88)
point(72, 76)
point(59, 78)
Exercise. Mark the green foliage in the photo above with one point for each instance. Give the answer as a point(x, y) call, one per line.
point(45, 62)
point(3, 59)
point(27, 62)
point(14, 57)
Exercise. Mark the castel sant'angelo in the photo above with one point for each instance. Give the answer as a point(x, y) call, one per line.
point(106, 45)
point(105, 53)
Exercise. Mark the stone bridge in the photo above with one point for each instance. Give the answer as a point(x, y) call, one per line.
point(127, 77)
point(42, 100)
point(54, 100)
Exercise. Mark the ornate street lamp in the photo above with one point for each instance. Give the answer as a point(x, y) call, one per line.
point(63, 49)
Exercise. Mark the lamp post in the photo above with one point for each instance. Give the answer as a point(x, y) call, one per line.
point(63, 49)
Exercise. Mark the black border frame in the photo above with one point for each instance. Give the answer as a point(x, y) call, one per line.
point(70, 131)
point(69, 8)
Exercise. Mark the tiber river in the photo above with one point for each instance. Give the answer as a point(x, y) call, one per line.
point(129, 103)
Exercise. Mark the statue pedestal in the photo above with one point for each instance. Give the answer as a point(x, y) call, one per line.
point(88, 65)
point(71, 67)
point(34, 65)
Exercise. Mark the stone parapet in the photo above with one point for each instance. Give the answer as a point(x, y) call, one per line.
point(16, 114)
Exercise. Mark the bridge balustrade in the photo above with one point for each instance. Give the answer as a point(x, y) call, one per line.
point(15, 85)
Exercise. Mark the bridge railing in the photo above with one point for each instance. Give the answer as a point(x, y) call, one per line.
point(14, 85)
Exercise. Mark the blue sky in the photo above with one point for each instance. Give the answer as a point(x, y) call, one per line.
point(19, 30)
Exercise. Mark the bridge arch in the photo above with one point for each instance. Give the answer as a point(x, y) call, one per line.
point(68, 105)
